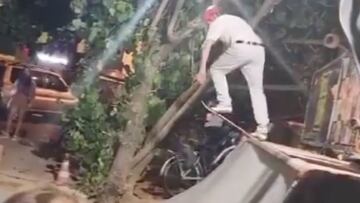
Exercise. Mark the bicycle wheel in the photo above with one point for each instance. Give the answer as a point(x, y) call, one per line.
point(177, 179)
point(221, 157)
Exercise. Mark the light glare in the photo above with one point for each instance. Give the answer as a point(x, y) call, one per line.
point(52, 58)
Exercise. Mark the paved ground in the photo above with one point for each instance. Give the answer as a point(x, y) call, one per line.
point(23, 161)
point(8, 185)
point(27, 161)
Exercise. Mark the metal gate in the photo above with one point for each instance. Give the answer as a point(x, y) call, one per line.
point(333, 110)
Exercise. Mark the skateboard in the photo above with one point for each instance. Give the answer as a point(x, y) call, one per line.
point(227, 120)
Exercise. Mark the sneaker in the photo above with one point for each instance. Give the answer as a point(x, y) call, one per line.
point(261, 132)
point(222, 108)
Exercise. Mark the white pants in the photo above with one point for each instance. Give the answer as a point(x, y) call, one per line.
point(250, 59)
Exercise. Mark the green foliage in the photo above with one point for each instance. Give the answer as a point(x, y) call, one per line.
point(98, 19)
point(156, 108)
point(93, 129)
point(177, 73)
point(175, 77)
point(304, 18)
point(90, 135)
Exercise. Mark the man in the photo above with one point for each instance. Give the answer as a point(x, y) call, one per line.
point(22, 95)
point(245, 51)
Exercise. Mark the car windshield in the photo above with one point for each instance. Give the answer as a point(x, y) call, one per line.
point(42, 80)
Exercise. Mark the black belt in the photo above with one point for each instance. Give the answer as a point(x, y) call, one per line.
point(250, 43)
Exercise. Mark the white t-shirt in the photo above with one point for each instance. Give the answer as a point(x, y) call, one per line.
point(228, 29)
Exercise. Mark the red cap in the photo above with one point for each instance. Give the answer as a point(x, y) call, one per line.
point(211, 13)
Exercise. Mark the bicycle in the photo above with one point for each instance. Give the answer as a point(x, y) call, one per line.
point(187, 166)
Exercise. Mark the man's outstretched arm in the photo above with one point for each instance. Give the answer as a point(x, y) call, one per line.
point(201, 76)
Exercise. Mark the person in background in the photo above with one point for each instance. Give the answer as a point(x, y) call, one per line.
point(22, 95)
point(244, 51)
point(26, 52)
point(22, 52)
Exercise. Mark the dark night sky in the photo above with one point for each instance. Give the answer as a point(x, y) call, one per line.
point(51, 14)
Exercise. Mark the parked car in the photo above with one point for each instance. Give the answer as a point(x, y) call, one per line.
point(52, 94)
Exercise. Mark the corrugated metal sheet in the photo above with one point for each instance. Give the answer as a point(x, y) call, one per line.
point(260, 172)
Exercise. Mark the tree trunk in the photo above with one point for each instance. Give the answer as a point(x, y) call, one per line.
point(175, 106)
point(134, 133)
point(168, 120)
point(146, 154)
